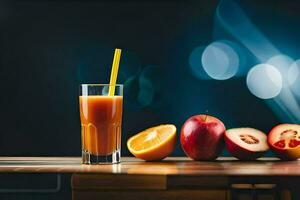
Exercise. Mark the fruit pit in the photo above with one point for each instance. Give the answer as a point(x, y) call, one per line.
point(249, 139)
point(288, 134)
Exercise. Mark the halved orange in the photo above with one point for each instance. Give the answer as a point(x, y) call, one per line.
point(154, 143)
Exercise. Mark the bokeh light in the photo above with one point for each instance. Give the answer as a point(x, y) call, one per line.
point(264, 81)
point(282, 63)
point(294, 77)
point(230, 16)
point(146, 94)
point(149, 80)
point(196, 65)
point(261, 83)
point(131, 88)
point(242, 57)
point(220, 61)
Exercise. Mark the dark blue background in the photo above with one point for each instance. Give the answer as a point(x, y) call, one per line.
point(48, 48)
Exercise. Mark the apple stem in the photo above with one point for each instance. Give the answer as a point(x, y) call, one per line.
point(205, 118)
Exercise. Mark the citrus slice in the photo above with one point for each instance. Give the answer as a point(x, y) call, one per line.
point(154, 143)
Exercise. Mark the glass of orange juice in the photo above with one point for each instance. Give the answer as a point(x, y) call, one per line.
point(101, 120)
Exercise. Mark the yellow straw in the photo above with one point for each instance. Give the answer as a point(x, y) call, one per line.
point(114, 72)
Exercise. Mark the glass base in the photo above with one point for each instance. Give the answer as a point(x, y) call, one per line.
point(88, 158)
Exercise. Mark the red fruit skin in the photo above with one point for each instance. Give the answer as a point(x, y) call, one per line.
point(240, 152)
point(284, 154)
point(202, 138)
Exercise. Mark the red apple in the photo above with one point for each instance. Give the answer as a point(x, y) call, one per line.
point(246, 143)
point(284, 140)
point(202, 137)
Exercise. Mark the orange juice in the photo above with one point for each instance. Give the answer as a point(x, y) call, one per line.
point(101, 118)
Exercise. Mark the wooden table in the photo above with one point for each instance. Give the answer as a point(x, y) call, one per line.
point(173, 178)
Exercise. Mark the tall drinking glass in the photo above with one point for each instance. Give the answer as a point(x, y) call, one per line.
point(101, 120)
